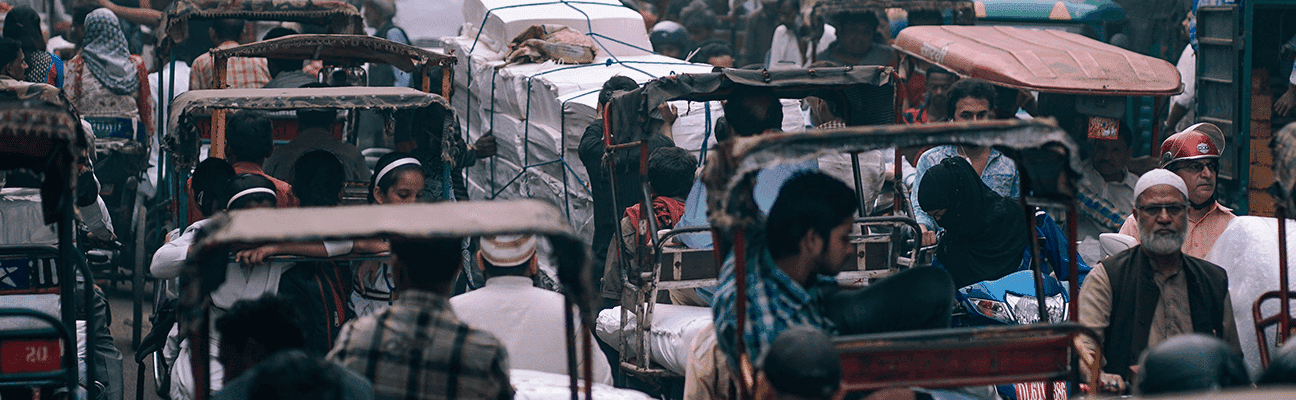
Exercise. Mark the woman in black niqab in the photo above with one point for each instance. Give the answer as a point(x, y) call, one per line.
point(985, 233)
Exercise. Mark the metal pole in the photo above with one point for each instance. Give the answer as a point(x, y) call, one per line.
point(1036, 266)
point(1073, 268)
point(859, 183)
point(67, 280)
point(569, 327)
point(1284, 321)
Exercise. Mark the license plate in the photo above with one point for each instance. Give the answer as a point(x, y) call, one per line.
point(1035, 391)
point(19, 356)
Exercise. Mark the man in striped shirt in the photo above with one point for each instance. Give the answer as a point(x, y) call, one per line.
point(240, 73)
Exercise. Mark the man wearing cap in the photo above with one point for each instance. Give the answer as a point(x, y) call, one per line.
point(1142, 296)
point(527, 319)
point(1194, 155)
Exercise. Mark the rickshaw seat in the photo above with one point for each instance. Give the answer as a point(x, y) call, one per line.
point(946, 358)
point(1262, 323)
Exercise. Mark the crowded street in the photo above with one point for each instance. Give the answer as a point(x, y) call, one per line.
point(647, 199)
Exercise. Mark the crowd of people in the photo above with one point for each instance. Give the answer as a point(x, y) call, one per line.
point(419, 326)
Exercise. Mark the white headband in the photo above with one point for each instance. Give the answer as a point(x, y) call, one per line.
point(249, 191)
point(393, 165)
point(1160, 176)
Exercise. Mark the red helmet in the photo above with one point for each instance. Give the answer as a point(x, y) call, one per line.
point(1203, 140)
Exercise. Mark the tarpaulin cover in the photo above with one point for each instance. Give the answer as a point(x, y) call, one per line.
point(338, 15)
point(40, 130)
point(183, 139)
point(538, 112)
point(616, 29)
point(1043, 60)
point(344, 48)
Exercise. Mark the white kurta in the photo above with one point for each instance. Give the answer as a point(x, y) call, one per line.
point(528, 321)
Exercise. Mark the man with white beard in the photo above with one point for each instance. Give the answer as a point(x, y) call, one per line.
point(1142, 296)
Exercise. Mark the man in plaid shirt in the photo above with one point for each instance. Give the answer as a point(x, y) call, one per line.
point(417, 348)
point(240, 72)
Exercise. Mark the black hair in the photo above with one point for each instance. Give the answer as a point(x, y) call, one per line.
point(974, 88)
point(9, 51)
point(855, 18)
point(277, 65)
point(390, 178)
point(80, 12)
point(318, 178)
point(670, 171)
point(243, 182)
point(925, 17)
point(755, 110)
point(270, 320)
point(1005, 101)
point(492, 271)
point(429, 262)
point(210, 180)
point(24, 25)
point(698, 14)
point(615, 84)
point(712, 50)
point(295, 375)
point(316, 117)
point(228, 28)
point(249, 136)
point(808, 202)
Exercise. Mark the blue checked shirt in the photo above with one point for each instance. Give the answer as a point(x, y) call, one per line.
point(774, 303)
point(1000, 175)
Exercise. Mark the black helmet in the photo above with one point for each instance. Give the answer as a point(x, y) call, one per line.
point(1191, 363)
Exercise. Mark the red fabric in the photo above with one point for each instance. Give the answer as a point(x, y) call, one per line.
point(668, 212)
point(283, 191)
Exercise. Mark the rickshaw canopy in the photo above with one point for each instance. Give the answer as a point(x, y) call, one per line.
point(868, 89)
point(183, 137)
point(40, 131)
point(1041, 60)
point(341, 48)
point(338, 15)
point(1044, 152)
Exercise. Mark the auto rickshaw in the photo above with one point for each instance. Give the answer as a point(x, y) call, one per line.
point(451, 220)
point(426, 117)
point(38, 324)
point(1048, 160)
point(654, 264)
point(1082, 82)
point(165, 211)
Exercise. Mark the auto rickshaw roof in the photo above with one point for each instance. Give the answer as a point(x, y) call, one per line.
point(40, 131)
point(338, 15)
point(1041, 149)
point(182, 138)
point(345, 48)
point(444, 220)
point(1042, 60)
point(869, 91)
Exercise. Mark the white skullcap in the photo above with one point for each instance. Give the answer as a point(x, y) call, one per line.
point(508, 250)
point(1160, 176)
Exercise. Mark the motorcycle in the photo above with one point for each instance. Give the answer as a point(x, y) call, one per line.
point(1011, 300)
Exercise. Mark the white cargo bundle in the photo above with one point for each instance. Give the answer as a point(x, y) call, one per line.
point(538, 112)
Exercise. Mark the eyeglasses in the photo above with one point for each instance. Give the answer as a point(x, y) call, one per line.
point(1156, 209)
point(1196, 167)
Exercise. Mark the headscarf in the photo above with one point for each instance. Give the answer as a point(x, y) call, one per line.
point(104, 51)
point(985, 233)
